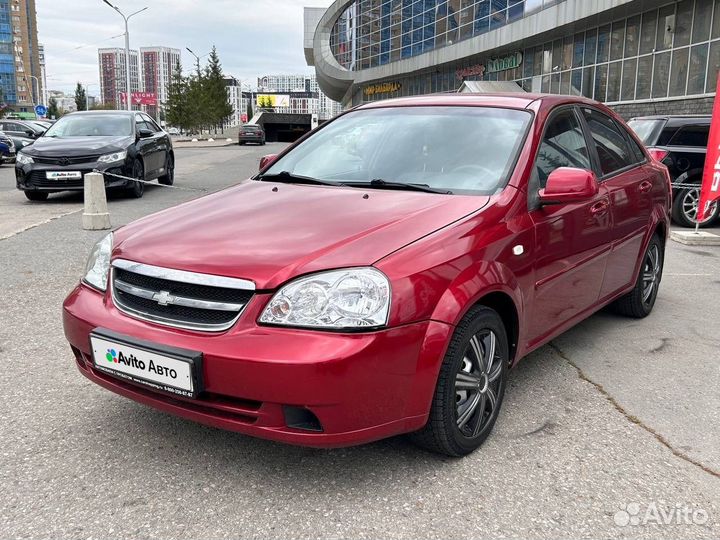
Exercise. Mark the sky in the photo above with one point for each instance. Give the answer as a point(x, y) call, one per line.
point(253, 37)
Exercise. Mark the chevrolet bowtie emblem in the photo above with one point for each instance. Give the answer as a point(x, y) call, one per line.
point(163, 298)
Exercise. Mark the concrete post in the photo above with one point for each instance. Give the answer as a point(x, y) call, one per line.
point(95, 216)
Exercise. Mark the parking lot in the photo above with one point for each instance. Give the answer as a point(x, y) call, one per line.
point(615, 418)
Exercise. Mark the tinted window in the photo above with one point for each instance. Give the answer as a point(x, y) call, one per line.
point(612, 147)
point(563, 145)
point(647, 130)
point(462, 149)
point(151, 123)
point(91, 125)
point(691, 136)
point(140, 123)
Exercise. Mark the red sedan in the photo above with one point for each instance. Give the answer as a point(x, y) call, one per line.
point(382, 275)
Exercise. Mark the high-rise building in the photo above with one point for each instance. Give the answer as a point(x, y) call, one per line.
point(157, 65)
point(284, 83)
point(112, 74)
point(19, 56)
point(43, 76)
point(305, 96)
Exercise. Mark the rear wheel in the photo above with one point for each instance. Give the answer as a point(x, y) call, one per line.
point(169, 178)
point(639, 302)
point(36, 196)
point(685, 209)
point(137, 189)
point(470, 386)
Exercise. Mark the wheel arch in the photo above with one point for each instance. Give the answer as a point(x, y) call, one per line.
point(503, 304)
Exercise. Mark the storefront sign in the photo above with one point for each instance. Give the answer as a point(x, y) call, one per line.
point(494, 65)
point(478, 69)
point(382, 88)
point(504, 63)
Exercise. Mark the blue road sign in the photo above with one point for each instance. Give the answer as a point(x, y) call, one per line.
point(40, 110)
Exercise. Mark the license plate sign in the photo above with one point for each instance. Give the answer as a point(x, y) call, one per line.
point(63, 175)
point(166, 369)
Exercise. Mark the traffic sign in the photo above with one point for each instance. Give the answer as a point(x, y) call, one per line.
point(40, 110)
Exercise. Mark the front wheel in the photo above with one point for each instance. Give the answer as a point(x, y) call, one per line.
point(685, 209)
point(36, 196)
point(137, 189)
point(639, 302)
point(470, 386)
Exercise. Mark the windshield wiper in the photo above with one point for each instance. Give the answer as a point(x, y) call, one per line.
point(379, 183)
point(286, 177)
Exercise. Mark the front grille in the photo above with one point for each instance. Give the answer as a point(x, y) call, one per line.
point(177, 298)
point(39, 179)
point(64, 161)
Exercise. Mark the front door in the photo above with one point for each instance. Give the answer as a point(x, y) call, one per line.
point(572, 241)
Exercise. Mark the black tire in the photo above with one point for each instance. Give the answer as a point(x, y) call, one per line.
point(169, 177)
point(639, 302)
point(37, 196)
point(241, 143)
point(451, 404)
point(684, 209)
point(137, 189)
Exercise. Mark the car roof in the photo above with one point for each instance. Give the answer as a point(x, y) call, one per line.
point(512, 100)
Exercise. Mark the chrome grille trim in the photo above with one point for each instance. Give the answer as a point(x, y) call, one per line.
point(177, 300)
point(183, 276)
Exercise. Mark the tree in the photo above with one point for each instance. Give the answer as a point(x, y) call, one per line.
point(215, 105)
point(80, 97)
point(176, 106)
point(53, 111)
point(103, 107)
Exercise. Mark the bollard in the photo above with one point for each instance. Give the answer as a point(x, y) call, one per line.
point(95, 216)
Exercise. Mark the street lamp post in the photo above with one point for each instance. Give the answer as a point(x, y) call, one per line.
point(197, 59)
point(127, 51)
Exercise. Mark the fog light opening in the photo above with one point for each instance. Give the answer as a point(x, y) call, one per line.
point(301, 418)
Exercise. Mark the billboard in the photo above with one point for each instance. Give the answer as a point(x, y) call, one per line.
point(140, 98)
point(273, 100)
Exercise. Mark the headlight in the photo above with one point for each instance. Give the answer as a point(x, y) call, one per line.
point(98, 264)
point(351, 298)
point(24, 159)
point(113, 158)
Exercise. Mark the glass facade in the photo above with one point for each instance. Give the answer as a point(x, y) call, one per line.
point(372, 33)
point(8, 87)
point(668, 52)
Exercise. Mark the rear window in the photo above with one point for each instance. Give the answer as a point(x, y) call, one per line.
point(251, 128)
point(647, 131)
point(691, 136)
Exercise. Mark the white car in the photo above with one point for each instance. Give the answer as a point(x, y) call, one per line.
point(173, 131)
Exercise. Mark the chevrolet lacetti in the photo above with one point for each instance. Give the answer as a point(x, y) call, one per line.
point(381, 275)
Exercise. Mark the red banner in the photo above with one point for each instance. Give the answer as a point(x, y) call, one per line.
point(140, 98)
point(710, 190)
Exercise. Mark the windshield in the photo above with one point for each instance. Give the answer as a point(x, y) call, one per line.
point(647, 130)
point(461, 149)
point(102, 125)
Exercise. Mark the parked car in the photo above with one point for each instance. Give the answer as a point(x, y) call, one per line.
point(7, 149)
point(173, 131)
point(680, 143)
point(42, 124)
point(129, 144)
point(382, 275)
point(21, 132)
point(251, 133)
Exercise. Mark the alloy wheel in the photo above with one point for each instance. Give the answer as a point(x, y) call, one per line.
point(651, 273)
point(690, 202)
point(477, 384)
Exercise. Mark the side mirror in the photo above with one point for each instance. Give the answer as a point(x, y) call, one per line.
point(30, 133)
point(266, 161)
point(145, 133)
point(568, 185)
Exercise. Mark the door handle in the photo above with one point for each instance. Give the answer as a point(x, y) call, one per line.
point(599, 208)
point(645, 186)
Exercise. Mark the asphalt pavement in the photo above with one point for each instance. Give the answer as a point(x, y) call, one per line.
point(611, 431)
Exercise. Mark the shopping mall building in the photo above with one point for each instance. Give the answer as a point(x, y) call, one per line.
point(638, 56)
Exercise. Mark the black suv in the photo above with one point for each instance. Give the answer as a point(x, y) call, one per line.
point(680, 143)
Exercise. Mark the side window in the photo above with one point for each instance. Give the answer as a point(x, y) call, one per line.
point(563, 145)
point(691, 136)
point(151, 123)
point(140, 123)
point(612, 147)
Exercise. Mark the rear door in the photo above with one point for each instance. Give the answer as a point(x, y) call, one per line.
point(572, 240)
point(147, 148)
point(631, 186)
point(162, 144)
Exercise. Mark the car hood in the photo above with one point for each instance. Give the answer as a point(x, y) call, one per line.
point(269, 233)
point(77, 146)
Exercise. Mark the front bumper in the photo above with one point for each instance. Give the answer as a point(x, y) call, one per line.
point(33, 176)
point(361, 387)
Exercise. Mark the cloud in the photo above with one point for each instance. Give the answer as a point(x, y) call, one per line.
point(253, 37)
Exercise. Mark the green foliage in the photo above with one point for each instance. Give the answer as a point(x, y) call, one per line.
point(53, 110)
point(103, 107)
point(198, 101)
point(80, 97)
